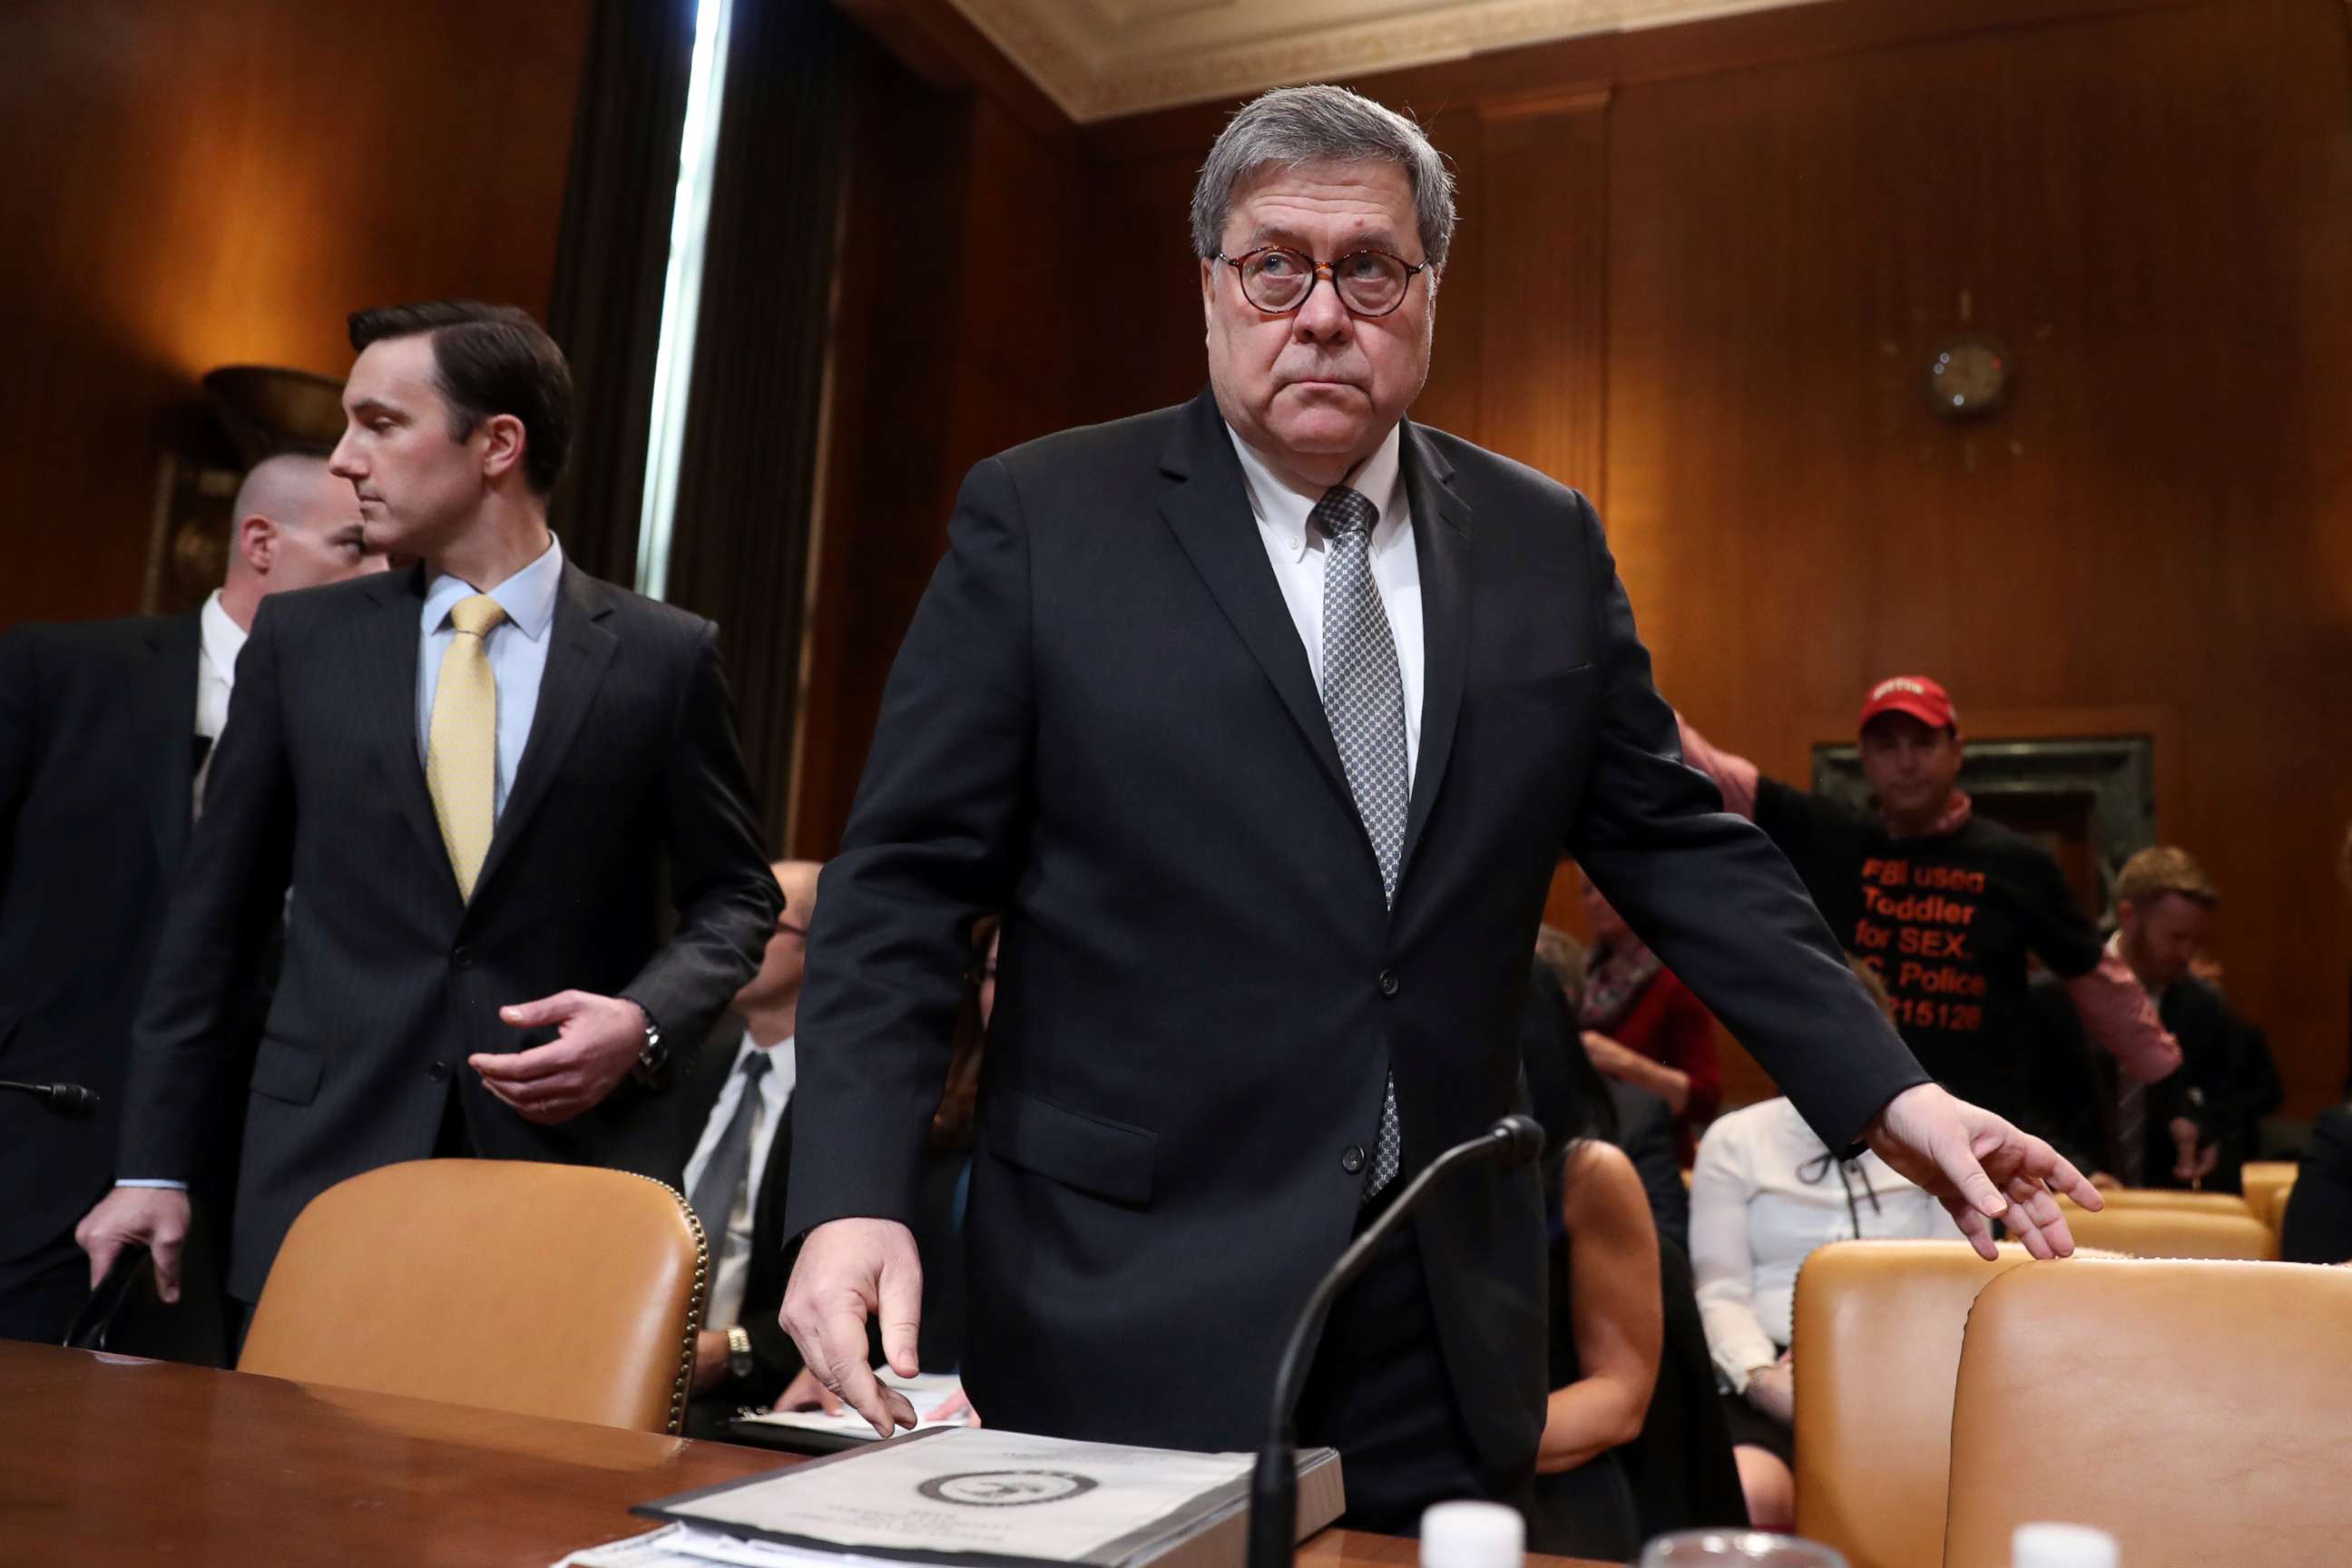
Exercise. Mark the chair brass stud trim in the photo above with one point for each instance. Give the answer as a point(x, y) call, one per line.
point(682, 1386)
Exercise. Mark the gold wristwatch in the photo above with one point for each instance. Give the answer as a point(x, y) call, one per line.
point(739, 1352)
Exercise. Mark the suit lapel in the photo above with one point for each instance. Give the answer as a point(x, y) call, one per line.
point(580, 649)
point(170, 678)
point(1210, 511)
point(388, 661)
point(1441, 545)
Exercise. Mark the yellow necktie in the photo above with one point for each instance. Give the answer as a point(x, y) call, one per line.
point(461, 757)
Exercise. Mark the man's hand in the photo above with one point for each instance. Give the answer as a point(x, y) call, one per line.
point(805, 1393)
point(849, 1271)
point(1611, 1058)
point(1981, 1169)
point(157, 1217)
point(597, 1041)
point(709, 1359)
point(2190, 1165)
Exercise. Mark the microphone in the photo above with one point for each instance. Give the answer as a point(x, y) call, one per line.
point(1273, 1485)
point(65, 1098)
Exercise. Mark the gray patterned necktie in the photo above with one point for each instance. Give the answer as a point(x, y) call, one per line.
point(1364, 699)
point(730, 1159)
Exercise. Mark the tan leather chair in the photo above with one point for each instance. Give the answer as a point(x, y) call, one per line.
point(2197, 1411)
point(2166, 1199)
point(2158, 1230)
point(545, 1289)
point(2267, 1183)
point(1877, 1346)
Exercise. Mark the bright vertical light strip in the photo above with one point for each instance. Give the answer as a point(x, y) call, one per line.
point(682, 293)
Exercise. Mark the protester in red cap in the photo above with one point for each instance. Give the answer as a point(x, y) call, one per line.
point(1944, 904)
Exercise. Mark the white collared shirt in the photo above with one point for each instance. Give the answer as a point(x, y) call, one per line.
point(730, 1280)
point(1755, 1216)
point(219, 641)
point(517, 648)
point(1296, 552)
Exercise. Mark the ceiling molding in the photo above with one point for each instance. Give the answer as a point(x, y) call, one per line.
point(1098, 59)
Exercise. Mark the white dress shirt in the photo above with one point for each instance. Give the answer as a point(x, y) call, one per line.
point(1296, 553)
point(1754, 1217)
point(734, 1275)
point(517, 648)
point(219, 641)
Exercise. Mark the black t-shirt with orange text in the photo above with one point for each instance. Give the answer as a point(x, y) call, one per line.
point(1946, 921)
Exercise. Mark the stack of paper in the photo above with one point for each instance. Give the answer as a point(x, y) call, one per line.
point(926, 1393)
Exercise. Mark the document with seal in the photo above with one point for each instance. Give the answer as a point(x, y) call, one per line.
point(984, 1496)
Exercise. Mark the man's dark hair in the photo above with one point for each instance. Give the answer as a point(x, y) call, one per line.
point(489, 359)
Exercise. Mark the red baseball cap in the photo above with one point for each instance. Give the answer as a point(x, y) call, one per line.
point(1915, 695)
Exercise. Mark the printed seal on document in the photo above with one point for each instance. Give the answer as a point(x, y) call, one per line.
point(1006, 1488)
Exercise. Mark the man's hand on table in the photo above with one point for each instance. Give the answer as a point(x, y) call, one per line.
point(850, 1270)
point(1981, 1169)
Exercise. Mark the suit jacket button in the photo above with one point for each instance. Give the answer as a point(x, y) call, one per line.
point(438, 1072)
point(462, 957)
point(1388, 983)
point(1352, 1162)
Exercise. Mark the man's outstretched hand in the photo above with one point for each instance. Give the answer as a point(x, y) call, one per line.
point(1981, 1169)
point(850, 1270)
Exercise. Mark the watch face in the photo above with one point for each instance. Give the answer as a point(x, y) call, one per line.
point(1967, 376)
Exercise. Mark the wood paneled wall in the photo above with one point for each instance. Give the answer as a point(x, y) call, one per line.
point(198, 184)
point(1697, 274)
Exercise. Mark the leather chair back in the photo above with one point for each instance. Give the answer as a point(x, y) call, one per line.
point(2267, 1183)
point(1878, 1347)
point(2156, 1230)
point(545, 1289)
point(2168, 1198)
point(2194, 1410)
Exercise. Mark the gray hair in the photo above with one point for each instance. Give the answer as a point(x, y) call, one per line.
point(1295, 125)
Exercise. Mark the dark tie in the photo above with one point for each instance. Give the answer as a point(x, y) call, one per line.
point(2131, 1130)
point(203, 766)
point(730, 1158)
point(1364, 699)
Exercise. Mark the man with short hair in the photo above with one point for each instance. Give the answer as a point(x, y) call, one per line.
point(1944, 904)
point(2196, 1127)
point(106, 729)
point(1265, 721)
point(474, 777)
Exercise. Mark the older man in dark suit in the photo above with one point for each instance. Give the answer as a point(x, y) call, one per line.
point(106, 729)
point(473, 777)
point(1265, 720)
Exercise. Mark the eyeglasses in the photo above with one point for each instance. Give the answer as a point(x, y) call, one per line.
point(1278, 279)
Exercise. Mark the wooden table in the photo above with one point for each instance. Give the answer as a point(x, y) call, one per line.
point(107, 1460)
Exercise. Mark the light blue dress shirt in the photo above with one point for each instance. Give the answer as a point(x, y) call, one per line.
point(516, 649)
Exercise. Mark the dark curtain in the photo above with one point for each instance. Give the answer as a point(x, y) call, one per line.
point(739, 551)
point(606, 306)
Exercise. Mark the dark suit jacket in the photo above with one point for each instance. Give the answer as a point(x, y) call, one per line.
point(97, 765)
point(2317, 1225)
point(2226, 1083)
point(701, 1077)
point(1103, 722)
point(389, 980)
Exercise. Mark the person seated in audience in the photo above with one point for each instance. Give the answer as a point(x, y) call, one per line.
point(2318, 1225)
point(1944, 904)
point(106, 737)
point(1605, 1340)
point(1560, 1073)
point(943, 1191)
point(728, 1147)
point(1643, 1026)
point(2198, 1126)
point(1765, 1193)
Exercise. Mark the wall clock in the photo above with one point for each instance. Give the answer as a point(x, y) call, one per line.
point(1968, 377)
